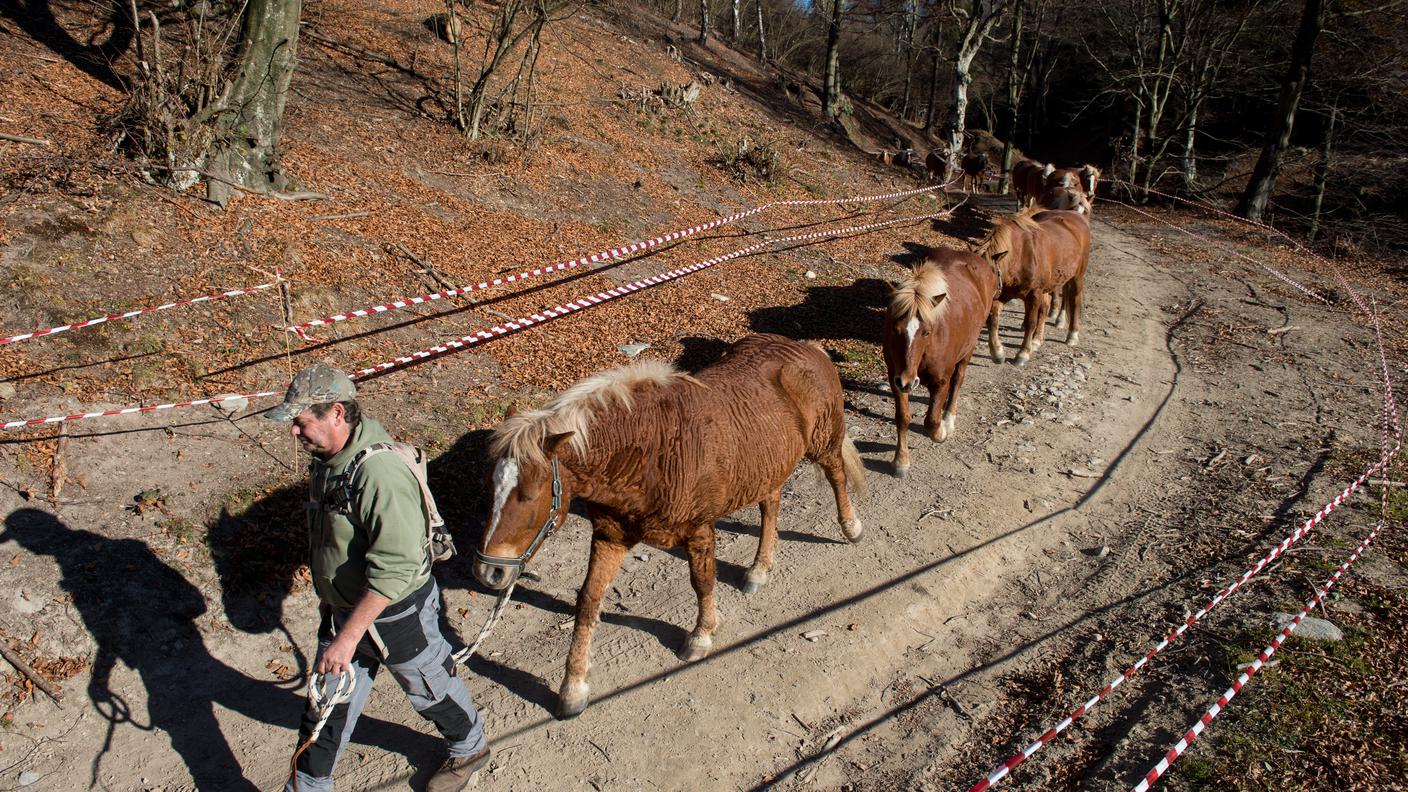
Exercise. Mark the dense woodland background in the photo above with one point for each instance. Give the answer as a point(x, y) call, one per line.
point(1291, 112)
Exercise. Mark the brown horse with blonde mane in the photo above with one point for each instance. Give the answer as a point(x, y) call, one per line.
point(657, 456)
point(1038, 253)
point(931, 330)
point(1029, 181)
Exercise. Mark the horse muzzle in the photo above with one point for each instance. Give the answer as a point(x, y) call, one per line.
point(496, 576)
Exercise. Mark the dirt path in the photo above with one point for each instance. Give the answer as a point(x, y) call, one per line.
point(1055, 535)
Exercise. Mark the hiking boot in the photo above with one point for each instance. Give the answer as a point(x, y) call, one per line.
point(455, 774)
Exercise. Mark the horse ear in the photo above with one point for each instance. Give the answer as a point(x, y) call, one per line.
point(938, 299)
point(1000, 255)
point(891, 287)
point(554, 442)
point(511, 410)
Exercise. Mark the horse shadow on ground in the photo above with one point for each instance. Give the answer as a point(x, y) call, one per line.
point(142, 613)
point(850, 311)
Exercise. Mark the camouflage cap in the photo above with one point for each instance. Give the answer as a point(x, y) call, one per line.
point(317, 384)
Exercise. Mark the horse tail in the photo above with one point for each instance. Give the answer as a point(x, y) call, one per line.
point(855, 471)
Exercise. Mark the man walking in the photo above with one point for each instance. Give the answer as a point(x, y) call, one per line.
point(370, 562)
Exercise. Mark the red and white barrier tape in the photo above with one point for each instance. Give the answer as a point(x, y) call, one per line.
point(139, 312)
point(129, 410)
point(1001, 771)
point(580, 304)
point(1258, 224)
point(1257, 664)
point(1391, 418)
point(505, 328)
point(1281, 275)
point(596, 258)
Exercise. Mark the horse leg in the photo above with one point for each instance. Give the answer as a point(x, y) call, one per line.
point(605, 562)
point(951, 403)
point(1062, 308)
point(937, 392)
point(901, 433)
point(1033, 302)
point(841, 464)
point(1043, 313)
point(1074, 289)
point(700, 547)
point(995, 340)
point(767, 543)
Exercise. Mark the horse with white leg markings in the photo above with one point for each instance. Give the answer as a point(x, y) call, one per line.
point(931, 330)
point(657, 456)
point(1038, 253)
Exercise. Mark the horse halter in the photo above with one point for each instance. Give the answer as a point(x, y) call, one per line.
point(547, 530)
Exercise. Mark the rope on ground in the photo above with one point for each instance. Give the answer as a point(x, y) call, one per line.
point(139, 312)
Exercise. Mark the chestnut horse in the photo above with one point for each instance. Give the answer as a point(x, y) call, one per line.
point(1029, 181)
point(931, 330)
point(657, 456)
point(1038, 252)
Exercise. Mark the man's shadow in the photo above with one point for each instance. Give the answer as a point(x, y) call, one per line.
point(143, 613)
point(95, 58)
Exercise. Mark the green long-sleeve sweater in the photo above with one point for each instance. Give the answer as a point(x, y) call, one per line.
point(380, 545)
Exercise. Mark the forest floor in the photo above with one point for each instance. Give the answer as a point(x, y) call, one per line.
point(151, 565)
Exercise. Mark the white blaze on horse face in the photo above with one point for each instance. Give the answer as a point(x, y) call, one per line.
point(911, 328)
point(505, 480)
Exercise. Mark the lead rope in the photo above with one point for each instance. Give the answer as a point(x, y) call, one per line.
point(500, 604)
point(324, 705)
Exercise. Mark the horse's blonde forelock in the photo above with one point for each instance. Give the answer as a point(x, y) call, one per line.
point(521, 436)
point(1000, 240)
point(915, 298)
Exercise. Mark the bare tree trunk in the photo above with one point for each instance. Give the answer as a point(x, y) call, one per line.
point(1322, 173)
point(733, 31)
point(762, 36)
point(929, 114)
point(246, 149)
point(679, 7)
point(703, 21)
point(831, 80)
point(1190, 156)
point(910, 16)
point(1014, 96)
point(1278, 137)
point(983, 15)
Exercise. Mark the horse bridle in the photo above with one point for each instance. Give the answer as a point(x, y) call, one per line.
point(547, 530)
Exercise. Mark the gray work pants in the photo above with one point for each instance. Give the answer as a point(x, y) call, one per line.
point(409, 644)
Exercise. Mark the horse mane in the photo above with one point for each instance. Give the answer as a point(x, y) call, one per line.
point(520, 437)
point(999, 242)
point(916, 296)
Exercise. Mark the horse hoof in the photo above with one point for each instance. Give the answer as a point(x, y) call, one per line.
point(1073, 339)
point(998, 357)
point(1022, 359)
point(901, 472)
point(853, 530)
point(572, 700)
point(695, 649)
point(753, 582)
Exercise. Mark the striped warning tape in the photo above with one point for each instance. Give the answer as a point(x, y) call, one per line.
point(138, 312)
point(1391, 418)
point(596, 258)
point(1257, 664)
point(1281, 275)
point(507, 327)
point(583, 303)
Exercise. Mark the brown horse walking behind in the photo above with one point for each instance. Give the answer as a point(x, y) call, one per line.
point(1038, 253)
point(931, 330)
point(657, 456)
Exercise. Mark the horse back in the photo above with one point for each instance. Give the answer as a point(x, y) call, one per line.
point(1065, 241)
point(739, 432)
